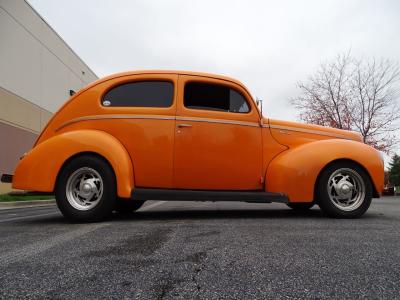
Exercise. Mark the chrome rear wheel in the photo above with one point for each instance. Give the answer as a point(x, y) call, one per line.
point(84, 188)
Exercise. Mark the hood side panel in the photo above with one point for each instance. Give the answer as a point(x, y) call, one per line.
point(292, 138)
point(271, 148)
point(293, 134)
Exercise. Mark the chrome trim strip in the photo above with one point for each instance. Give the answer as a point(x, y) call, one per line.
point(310, 131)
point(111, 117)
point(195, 119)
point(218, 121)
point(156, 117)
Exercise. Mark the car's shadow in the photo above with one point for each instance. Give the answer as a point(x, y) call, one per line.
point(208, 214)
point(201, 214)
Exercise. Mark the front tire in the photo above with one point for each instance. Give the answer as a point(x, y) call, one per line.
point(86, 189)
point(344, 190)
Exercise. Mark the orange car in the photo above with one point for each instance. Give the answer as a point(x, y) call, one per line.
point(165, 135)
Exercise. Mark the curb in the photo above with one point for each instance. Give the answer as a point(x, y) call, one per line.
point(24, 204)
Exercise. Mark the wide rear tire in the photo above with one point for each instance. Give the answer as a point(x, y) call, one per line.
point(86, 189)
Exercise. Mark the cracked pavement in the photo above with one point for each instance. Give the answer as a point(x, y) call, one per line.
point(196, 250)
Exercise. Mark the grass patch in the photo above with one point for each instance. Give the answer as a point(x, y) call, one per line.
point(25, 197)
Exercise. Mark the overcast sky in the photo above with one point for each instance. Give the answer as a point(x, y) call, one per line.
point(268, 45)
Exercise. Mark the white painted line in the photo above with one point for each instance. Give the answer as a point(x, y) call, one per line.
point(38, 247)
point(152, 205)
point(5, 207)
point(29, 217)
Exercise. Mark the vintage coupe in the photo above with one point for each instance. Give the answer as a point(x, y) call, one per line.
point(171, 135)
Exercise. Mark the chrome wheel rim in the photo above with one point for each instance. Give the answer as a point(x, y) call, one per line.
point(346, 189)
point(84, 188)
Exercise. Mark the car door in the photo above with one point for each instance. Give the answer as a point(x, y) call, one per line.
point(140, 112)
point(217, 136)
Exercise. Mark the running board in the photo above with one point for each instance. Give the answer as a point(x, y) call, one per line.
point(199, 195)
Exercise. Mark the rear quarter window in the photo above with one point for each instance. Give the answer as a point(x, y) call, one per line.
point(140, 94)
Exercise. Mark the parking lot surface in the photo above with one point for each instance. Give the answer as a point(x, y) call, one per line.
point(195, 250)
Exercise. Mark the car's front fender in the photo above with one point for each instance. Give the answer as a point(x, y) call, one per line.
point(38, 170)
point(295, 171)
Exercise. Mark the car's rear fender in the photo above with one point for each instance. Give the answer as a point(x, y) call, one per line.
point(295, 171)
point(39, 169)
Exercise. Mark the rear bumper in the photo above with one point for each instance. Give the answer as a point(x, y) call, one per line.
point(6, 178)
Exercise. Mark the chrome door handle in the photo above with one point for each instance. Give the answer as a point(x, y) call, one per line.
point(183, 125)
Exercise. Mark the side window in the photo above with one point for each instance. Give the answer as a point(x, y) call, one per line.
point(140, 94)
point(199, 95)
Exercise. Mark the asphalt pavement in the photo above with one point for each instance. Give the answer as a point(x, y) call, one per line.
point(202, 250)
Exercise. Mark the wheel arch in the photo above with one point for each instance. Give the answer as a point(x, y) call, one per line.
point(375, 193)
point(80, 154)
point(39, 169)
point(295, 171)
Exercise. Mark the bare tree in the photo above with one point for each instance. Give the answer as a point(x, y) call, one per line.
point(354, 94)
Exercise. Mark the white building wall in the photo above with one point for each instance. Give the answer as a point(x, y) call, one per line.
point(35, 63)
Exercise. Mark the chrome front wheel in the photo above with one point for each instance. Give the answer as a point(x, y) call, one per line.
point(344, 190)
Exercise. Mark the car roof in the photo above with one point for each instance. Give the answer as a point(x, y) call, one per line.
point(177, 72)
point(128, 73)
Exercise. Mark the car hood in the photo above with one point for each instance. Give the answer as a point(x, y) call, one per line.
point(287, 132)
